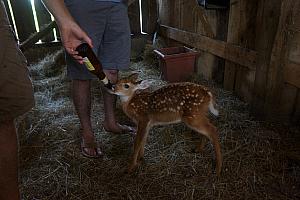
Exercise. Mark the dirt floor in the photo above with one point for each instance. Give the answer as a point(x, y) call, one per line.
point(260, 159)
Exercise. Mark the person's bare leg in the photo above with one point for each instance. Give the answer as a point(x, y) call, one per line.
point(110, 122)
point(9, 187)
point(81, 93)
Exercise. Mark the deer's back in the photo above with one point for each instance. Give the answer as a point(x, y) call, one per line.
point(170, 101)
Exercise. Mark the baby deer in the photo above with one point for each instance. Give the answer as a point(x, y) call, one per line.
point(173, 103)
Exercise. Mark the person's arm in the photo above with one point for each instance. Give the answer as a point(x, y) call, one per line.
point(71, 34)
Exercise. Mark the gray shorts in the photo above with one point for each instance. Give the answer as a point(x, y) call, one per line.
point(107, 24)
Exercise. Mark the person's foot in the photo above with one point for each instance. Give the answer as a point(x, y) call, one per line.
point(89, 147)
point(119, 129)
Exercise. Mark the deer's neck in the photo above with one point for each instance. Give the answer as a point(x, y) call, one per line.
point(125, 99)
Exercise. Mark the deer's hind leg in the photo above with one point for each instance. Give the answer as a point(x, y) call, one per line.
point(201, 125)
point(201, 143)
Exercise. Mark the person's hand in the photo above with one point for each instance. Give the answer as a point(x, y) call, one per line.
point(72, 36)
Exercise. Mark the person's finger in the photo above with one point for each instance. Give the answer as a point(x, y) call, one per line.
point(78, 58)
point(70, 50)
point(88, 40)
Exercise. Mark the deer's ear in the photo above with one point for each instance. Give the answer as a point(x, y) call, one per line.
point(133, 77)
point(145, 84)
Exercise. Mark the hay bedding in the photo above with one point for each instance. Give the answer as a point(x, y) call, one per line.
point(256, 164)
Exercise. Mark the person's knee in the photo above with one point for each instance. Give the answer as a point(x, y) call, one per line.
point(112, 75)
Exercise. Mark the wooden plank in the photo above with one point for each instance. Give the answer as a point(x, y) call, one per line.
point(44, 19)
point(295, 26)
point(187, 11)
point(244, 83)
point(296, 114)
point(279, 59)
point(234, 53)
point(8, 13)
point(24, 18)
point(207, 28)
point(166, 11)
point(294, 52)
point(291, 74)
point(134, 17)
point(232, 37)
point(287, 103)
point(267, 20)
point(149, 15)
point(240, 79)
point(207, 62)
point(175, 6)
point(163, 11)
point(222, 18)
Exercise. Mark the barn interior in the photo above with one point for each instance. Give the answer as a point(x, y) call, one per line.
point(247, 52)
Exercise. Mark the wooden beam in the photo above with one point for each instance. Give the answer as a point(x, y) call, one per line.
point(234, 53)
point(44, 18)
point(37, 36)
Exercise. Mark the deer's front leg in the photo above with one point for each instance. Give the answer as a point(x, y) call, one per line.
point(139, 142)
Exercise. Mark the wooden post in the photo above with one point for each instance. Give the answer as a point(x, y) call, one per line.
point(221, 34)
point(267, 21)
point(275, 81)
point(232, 37)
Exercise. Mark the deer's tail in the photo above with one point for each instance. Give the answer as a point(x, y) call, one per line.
point(211, 105)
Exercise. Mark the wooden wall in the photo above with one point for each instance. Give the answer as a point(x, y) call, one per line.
point(273, 91)
point(23, 15)
point(188, 16)
point(284, 81)
point(253, 46)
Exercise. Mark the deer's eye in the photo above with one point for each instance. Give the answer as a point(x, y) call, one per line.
point(126, 86)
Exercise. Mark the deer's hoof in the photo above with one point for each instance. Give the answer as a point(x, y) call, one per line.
point(131, 168)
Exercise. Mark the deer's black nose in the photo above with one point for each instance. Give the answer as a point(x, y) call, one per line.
point(113, 87)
